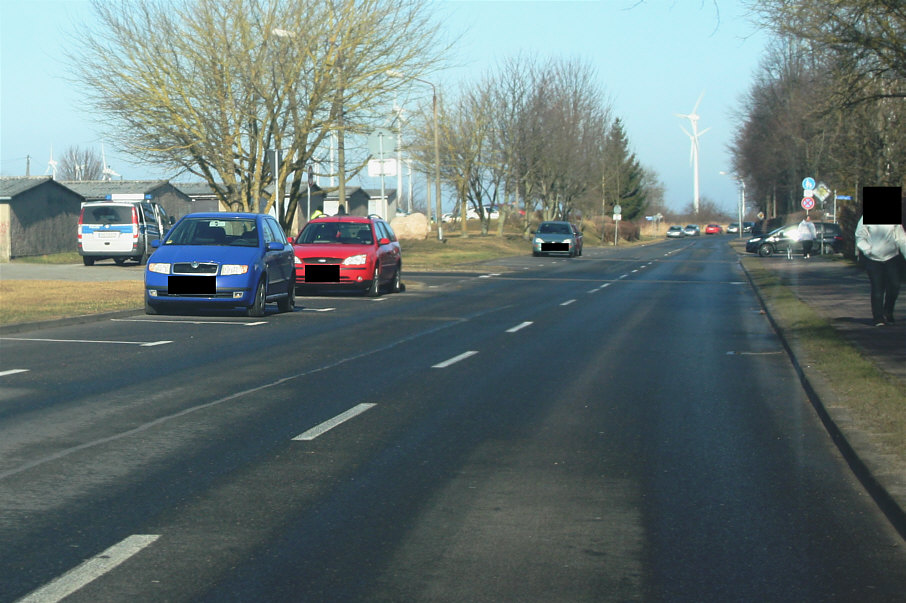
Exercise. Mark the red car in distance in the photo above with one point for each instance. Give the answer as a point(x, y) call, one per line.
point(713, 229)
point(348, 252)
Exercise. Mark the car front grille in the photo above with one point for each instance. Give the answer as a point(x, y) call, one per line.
point(187, 268)
point(323, 261)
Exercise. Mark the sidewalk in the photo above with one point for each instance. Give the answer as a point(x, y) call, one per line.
point(839, 292)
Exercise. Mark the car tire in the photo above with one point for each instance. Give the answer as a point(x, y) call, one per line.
point(257, 307)
point(120, 261)
point(765, 250)
point(375, 289)
point(396, 285)
point(87, 260)
point(288, 303)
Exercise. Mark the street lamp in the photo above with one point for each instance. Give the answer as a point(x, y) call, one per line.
point(741, 199)
point(440, 229)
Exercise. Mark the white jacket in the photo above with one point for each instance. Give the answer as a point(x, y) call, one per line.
point(880, 242)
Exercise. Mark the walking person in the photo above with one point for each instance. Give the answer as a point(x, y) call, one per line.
point(881, 246)
point(807, 234)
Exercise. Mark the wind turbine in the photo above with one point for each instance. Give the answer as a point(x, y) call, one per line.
point(107, 173)
point(51, 166)
point(693, 118)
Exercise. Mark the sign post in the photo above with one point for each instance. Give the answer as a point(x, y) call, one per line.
point(617, 216)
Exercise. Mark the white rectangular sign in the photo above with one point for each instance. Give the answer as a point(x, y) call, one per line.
point(375, 167)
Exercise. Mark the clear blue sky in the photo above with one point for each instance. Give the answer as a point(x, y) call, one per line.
point(653, 57)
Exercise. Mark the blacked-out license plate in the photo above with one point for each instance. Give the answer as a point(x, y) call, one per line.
point(191, 285)
point(554, 246)
point(329, 273)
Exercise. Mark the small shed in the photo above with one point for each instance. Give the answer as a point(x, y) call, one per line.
point(38, 215)
point(362, 202)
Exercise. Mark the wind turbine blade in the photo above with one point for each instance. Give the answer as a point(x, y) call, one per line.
point(703, 131)
point(700, 97)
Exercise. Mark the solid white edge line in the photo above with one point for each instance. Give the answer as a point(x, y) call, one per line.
point(519, 326)
point(191, 322)
point(13, 372)
point(454, 359)
point(90, 570)
point(140, 343)
point(331, 423)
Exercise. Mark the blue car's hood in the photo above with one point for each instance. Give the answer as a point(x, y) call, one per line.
point(218, 254)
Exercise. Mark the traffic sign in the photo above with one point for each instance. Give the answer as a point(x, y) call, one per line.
point(807, 192)
point(822, 191)
point(808, 203)
point(382, 142)
point(808, 183)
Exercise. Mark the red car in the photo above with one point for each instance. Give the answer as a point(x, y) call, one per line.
point(348, 252)
point(713, 229)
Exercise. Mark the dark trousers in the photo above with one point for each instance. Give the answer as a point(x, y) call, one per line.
point(885, 286)
point(807, 246)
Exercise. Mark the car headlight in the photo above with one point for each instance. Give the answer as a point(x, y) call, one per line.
point(539, 240)
point(159, 267)
point(568, 241)
point(230, 269)
point(296, 260)
point(355, 260)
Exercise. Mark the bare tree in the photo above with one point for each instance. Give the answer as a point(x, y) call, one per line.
point(211, 88)
point(868, 38)
point(80, 164)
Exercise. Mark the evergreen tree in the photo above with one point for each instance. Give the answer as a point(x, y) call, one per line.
point(623, 175)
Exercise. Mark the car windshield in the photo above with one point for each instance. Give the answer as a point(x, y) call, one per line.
point(345, 233)
point(239, 232)
point(554, 228)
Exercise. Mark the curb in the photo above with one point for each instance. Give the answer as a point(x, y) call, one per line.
point(876, 488)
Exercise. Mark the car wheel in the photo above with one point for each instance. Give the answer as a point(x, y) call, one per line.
point(765, 250)
point(396, 284)
point(120, 261)
point(87, 260)
point(257, 307)
point(288, 303)
point(375, 289)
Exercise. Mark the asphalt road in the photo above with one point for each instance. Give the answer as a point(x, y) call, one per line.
point(620, 426)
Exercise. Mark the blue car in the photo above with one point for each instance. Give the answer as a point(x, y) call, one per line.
point(221, 260)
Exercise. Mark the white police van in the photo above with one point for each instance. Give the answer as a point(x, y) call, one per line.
point(120, 228)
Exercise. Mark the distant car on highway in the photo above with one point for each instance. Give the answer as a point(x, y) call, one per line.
point(675, 231)
point(221, 260)
point(348, 252)
point(557, 238)
point(713, 229)
point(733, 227)
point(692, 230)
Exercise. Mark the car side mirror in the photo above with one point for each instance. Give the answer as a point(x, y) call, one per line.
point(290, 240)
point(275, 246)
point(155, 243)
point(384, 241)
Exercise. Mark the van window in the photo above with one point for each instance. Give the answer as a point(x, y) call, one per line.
point(107, 214)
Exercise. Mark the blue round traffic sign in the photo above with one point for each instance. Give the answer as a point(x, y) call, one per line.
point(808, 183)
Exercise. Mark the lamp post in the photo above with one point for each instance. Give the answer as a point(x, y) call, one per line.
point(740, 199)
point(440, 228)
